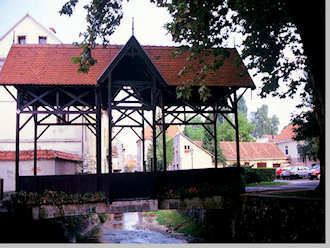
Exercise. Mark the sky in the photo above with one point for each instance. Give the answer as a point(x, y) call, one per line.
point(148, 29)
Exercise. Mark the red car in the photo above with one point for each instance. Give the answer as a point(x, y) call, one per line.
point(279, 171)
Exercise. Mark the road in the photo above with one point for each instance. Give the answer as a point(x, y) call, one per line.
point(292, 184)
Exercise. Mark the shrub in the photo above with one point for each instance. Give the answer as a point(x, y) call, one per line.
point(258, 175)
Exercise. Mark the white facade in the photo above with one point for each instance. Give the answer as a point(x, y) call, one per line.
point(45, 167)
point(188, 155)
point(290, 150)
point(29, 28)
point(63, 138)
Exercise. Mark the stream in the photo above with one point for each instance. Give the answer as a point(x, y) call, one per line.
point(124, 228)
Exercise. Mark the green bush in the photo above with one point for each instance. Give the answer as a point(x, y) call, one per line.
point(258, 175)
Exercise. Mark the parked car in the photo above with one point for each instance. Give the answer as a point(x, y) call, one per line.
point(299, 172)
point(285, 173)
point(295, 172)
point(314, 172)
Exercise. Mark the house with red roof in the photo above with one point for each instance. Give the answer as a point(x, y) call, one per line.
point(190, 154)
point(253, 154)
point(286, 143)
point(171, 132)
point(50, 162)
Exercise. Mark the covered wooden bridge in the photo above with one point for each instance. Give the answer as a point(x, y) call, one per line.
point(128, 80)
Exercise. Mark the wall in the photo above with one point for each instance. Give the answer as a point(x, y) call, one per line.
point(292, 149)
point(7, 171)
point(195, 158)
point(267, 218)
point(44, 167)
point(64, 167)
point(63, 138)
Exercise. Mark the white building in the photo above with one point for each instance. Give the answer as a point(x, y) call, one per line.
point(189, 154)
point(289, 146)
point(170, 134)
point(26, 31)
point(63, 138)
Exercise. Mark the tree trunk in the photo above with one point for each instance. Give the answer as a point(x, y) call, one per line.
point(310, 21)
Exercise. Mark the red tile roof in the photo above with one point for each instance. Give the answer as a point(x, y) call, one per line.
point(286, 134)
point(170, 132)
point(41, 154)
point(51, 65)
point(251, 150)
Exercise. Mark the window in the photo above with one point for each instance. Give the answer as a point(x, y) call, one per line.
point(261, 165)
point(286, 150)
point(42, 39)
point(276, 165)
point(186, 148)
point(246, 163)
point(21, 39)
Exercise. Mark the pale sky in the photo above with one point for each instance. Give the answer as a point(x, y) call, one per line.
point(149, 30)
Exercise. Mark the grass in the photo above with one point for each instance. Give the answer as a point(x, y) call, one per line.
point(266, 183)
point(178, 222)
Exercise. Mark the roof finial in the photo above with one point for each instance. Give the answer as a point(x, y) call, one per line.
point(133, 26)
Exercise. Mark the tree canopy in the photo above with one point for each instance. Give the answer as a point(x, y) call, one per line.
point(263, 123)
point(245, 127)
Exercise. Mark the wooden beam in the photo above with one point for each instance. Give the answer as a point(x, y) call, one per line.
point(236, 131)
point(110, 124)
point(18, 109)
point(98, 137)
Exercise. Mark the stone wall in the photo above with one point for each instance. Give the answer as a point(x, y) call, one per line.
point(271, 218)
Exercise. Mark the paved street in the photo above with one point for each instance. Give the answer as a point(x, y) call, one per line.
point(292, 184)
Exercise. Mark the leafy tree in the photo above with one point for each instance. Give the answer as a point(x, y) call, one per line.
point(194, 132)
point(308, 149)
point(208, 141)
point(269, 28)
point(264, 124)
point(245, 129)
point(241, 106)
point(274, 122)
point(159, 152)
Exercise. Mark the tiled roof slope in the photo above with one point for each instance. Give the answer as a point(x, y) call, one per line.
point(251, 150)
point(171, 131)
point(286, 134)
point(41, 154)
point(51, 65)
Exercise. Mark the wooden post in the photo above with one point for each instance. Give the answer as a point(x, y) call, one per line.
point(35, 155)
point(154, 141)
point(143, 144)
point(215, 138)
point(164, 132)
point(98, 137)
point(18, 101)
point(236, 131)
point(110, 124)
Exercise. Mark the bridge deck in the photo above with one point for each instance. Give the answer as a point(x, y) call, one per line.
point(147, 185)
